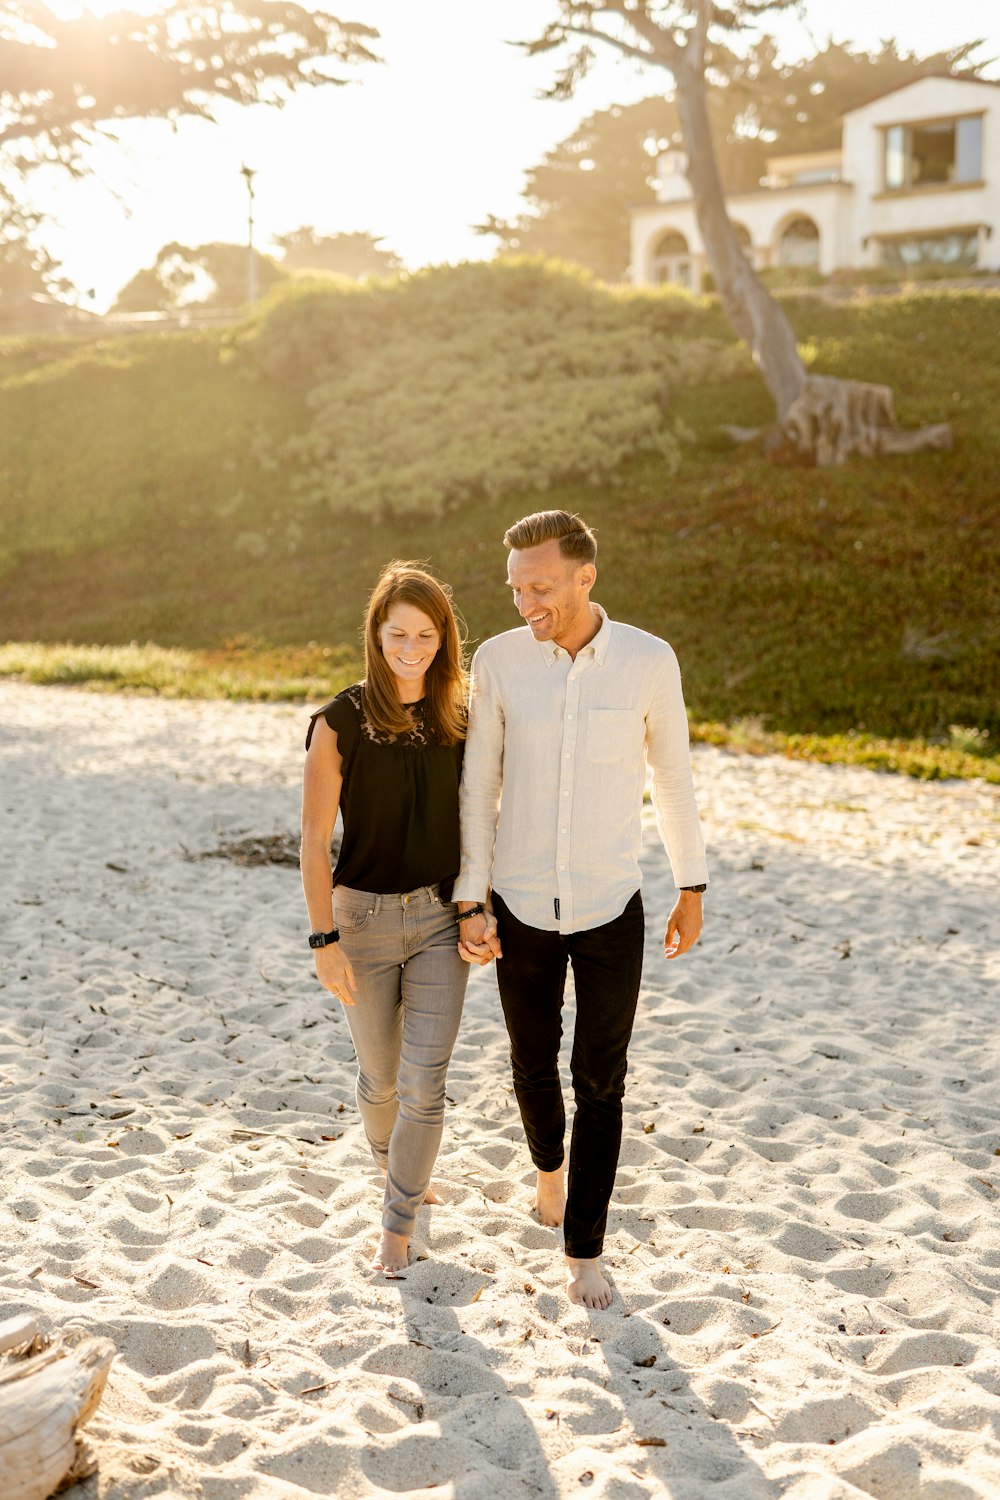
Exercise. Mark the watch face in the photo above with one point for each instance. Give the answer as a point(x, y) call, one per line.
point(317, 940)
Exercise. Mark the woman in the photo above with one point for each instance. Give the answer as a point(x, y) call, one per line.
point(388, 752)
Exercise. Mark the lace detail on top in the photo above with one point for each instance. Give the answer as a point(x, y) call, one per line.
point(418, 735)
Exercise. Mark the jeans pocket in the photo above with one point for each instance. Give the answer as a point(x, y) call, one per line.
point(352, 910)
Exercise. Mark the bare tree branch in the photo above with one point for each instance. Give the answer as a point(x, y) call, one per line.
point(613, 41)
point(667, 51)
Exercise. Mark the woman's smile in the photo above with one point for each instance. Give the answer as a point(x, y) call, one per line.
point(410, 641)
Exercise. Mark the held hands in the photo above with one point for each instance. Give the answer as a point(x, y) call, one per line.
point(335, 973)
point(478, 942)
point(683, 925)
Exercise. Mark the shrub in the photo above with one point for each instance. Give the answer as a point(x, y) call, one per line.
point(474, 381)
point(134, 504)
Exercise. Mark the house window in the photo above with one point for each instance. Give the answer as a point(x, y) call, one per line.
point(934, 153)
point(958, 249)
point(799, 244)
point(672, 261)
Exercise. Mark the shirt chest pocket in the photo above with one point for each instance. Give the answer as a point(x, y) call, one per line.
point(612, 733)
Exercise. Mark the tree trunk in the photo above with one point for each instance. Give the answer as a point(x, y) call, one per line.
point(749, 306)
point(826, 419)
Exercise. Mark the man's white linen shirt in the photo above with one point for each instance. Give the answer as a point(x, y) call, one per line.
point(555, 770)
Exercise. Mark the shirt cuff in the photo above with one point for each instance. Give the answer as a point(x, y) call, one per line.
point(470, 886)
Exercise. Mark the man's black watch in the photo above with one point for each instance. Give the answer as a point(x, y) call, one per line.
point(698, 888)
point(323, 939)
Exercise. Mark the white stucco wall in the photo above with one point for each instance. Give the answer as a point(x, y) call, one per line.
point(765, 214)
point(851, 214)
point(933, 208)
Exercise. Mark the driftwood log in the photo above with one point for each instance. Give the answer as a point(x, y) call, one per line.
point(48, 1389)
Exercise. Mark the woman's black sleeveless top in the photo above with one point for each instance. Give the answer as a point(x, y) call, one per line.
point(399, 801)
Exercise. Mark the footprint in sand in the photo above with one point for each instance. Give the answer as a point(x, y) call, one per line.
point(158, 1349)
point(806, 1243)
point(917, 1350)
point(177, 1286)
point(873, 1208)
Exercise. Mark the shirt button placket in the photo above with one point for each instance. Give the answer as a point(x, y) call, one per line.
point(564, 879)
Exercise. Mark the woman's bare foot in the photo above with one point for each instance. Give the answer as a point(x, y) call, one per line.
point(550, 1200)
point(429, 1197)
point(585, 1284)
point(392, 1257)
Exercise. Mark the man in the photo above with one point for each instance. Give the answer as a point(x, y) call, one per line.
point(564, 715)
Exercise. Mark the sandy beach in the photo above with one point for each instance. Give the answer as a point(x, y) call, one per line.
point(805, 1235)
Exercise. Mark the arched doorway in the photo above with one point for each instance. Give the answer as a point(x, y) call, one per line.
point(671, 261)
point(799, 243)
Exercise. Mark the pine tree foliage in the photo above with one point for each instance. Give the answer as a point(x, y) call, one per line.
point(209, 276)
point(357, 254)
point(66, 81)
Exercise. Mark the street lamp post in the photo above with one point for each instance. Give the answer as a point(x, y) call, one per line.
point(250, 174)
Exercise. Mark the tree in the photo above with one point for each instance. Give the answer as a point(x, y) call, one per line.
point(798, 106)
point(65, 81)
point(26, 268)
point(825, 418)
point(578, 198)
point(357, 256)
point(209, 276)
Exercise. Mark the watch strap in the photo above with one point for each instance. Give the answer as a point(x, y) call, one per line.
point(324, 939)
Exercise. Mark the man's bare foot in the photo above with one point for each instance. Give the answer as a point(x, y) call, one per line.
point(585, 1283)
point(550, 1200)
point(392, 1257)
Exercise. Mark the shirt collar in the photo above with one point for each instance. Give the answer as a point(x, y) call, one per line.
point(598, 647)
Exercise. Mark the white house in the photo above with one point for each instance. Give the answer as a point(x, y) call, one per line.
point(916, 181)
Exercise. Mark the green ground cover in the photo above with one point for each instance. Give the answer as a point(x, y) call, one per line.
point(170, 489)
point(314, 673)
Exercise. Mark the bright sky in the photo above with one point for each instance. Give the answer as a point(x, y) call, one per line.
point(418, 149)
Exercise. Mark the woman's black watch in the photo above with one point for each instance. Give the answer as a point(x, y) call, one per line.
point(698, 888)
point(324, 939)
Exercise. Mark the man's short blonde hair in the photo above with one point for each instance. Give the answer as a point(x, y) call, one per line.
point(576, 540)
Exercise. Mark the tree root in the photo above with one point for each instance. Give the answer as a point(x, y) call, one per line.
point(834, 418)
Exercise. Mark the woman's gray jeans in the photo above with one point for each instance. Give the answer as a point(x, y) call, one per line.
point(410, 986)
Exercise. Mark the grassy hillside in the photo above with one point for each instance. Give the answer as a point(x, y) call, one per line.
point(170, 489)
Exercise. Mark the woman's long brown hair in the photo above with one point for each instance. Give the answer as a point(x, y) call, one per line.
point(445, 682)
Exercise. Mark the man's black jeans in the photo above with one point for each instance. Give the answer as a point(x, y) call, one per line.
point(607, 965)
